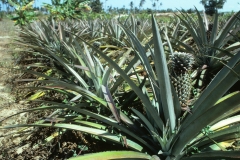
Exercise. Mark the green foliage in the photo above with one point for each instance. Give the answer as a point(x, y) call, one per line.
point(24, 12)
point(67, 9)
point(211, 6)
point(214, 3)
point(96, 6)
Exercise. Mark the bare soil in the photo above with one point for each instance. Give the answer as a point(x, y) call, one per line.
point(8, 105)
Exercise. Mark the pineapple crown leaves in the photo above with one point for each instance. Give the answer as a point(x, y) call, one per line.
point(181, 61)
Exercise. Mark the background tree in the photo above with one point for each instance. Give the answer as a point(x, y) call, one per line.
point(218, 3)
point(136, 10)
point(96, 6)
point(110, 9)
point(141, 4)
point(160, 4)
point(154, 5)
point(211, 6)
point(131, 5)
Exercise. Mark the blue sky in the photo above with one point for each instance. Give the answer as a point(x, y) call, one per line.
point(230, 5)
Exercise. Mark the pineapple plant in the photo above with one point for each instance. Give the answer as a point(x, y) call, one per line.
point(211, 45)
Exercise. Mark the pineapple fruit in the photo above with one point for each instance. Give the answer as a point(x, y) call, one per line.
point(180, 66)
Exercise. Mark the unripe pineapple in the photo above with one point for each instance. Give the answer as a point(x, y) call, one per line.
point(181, 62)
point(182, 85)
point(180, 65)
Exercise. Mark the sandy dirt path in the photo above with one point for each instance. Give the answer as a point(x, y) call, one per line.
point(8, 106)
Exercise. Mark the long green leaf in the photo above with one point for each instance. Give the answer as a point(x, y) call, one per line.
point(225, 122)
point(97, 132)
point(212, 155)
point(145, 121)
point(83, 91)
point(226, 134)
point(226, 28)
point(111, 155)
point(111, 103)
point(163, 77)
point(205, 118)
point(214, 29)
point(201, 28)
point(102, 118)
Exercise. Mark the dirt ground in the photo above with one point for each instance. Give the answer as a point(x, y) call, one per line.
point(15, 144)
point(8, 105)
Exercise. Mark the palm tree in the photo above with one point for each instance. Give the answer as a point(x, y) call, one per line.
point(154, 6)
point(141, 3)
point(131, 5)
point(160, 4)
